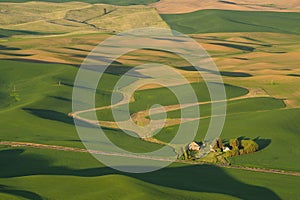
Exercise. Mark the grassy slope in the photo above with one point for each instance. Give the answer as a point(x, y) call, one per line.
point(113, 2)
point(237, 106)
point(64, 175)
point(8, 33)
point(215, 21)
point(144, 99)
point(65, 171)
point(42, 113)
point(61, 175)
point(277, 132)
point(282, 130)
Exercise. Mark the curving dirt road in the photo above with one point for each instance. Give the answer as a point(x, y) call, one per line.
point(141, 116)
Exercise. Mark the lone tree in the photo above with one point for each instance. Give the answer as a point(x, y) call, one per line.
point(14, 94)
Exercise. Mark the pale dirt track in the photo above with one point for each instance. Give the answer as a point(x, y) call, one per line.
point(141, 116)
point(186, 6)
point(71, 149)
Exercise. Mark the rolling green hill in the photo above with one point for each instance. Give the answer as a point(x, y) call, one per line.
point(8, 33)
point(144, 99)
point(42, 114)
point(276, 132)
point(63, 175)
point(215, 21)
point(236, 106)
point(36, 99)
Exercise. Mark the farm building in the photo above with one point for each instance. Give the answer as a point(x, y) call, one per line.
point(194, 146)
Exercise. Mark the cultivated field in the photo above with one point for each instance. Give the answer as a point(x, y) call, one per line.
point(42, 46)
point(112, 2)
point(186, 6)
point(42, 18)
point(220, 21)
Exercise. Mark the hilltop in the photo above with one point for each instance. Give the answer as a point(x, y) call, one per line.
point(78, 17)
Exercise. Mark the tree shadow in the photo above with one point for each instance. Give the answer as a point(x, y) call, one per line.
point(262, 142)
point(195, 178)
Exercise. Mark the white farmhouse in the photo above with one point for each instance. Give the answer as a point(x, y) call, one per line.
point(194, 146)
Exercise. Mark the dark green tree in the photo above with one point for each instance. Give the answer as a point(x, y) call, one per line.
point(249, 146)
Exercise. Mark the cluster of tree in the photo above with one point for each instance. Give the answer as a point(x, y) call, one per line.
point(218, 146)
point(241, 147)
point(235, 147)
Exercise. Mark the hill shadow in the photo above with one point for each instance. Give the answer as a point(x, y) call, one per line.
point(50, 115)
point(2, 47)
point(238, 58)
point(58, 116)
point(235, 74)
point(234, 46)
point(9, 32)
point(194, 178)
point(206, 178)
point(19, 193)
point(28, 60)
point(16, 54)
point(78, 49)
point(228, 2)
point(117, 68)
point(223, 73)
point(294, 75)
point(61, 98)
